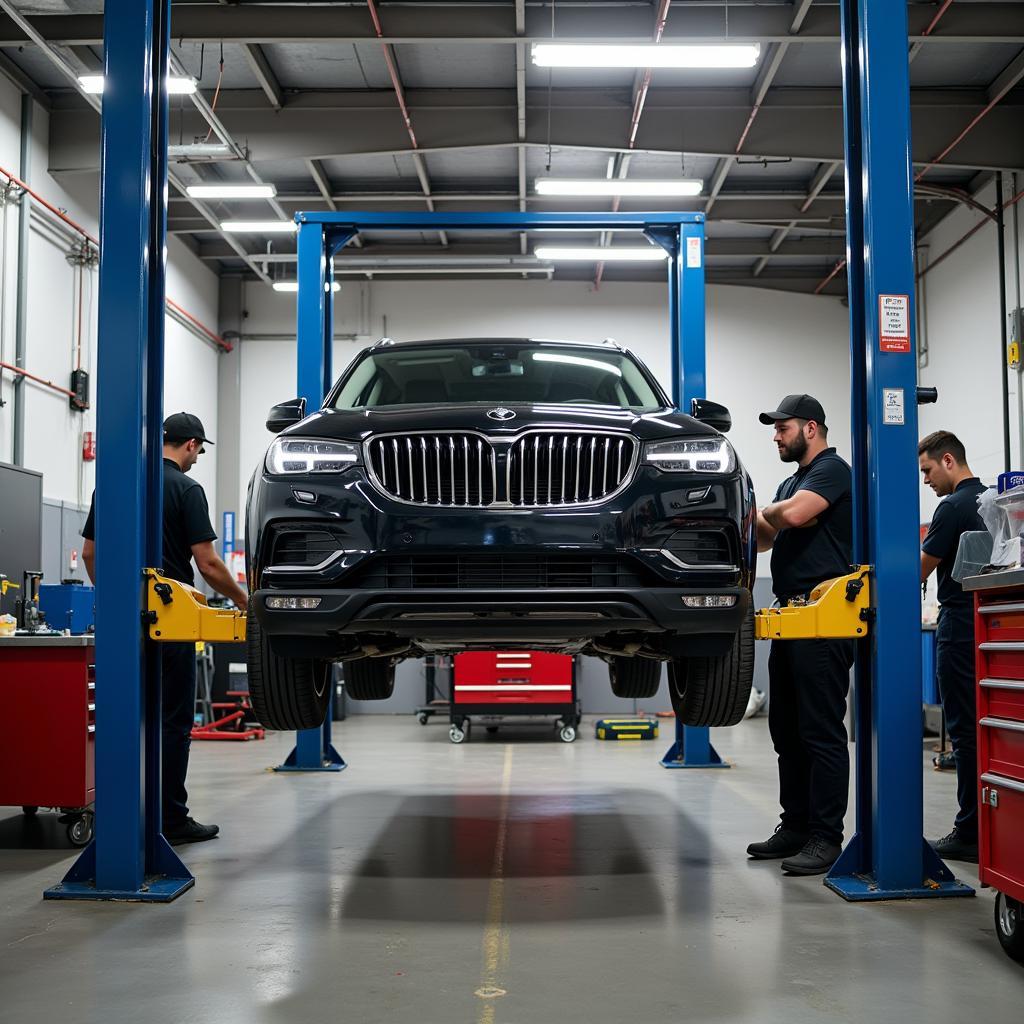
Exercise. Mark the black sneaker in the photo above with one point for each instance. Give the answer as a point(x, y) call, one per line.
point(956, 846)
point(817, 856)
point(190, 831)
point(783, 843)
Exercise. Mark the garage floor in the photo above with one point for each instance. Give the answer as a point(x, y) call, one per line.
point(508, 880)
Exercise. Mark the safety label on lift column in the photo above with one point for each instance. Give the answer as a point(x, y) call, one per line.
point(894, 323)
point(692, 253)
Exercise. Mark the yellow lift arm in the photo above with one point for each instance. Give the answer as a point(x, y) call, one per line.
point(176, 612)
point(835, 609)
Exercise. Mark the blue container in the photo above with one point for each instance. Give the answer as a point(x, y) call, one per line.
point(1008, 480)
point(68, 606)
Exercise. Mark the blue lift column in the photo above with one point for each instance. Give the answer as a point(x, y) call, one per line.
point(684, 244)
point(314, 751)
point(129, 859)
point(888, 857)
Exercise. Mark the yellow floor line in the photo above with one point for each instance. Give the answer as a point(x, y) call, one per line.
point(496, 939)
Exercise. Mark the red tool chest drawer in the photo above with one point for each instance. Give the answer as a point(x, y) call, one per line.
point(1004, 743)
point(1003, 698)
point(512, 677)
point(1002, 834)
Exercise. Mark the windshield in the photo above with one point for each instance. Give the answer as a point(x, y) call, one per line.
point(496, 373)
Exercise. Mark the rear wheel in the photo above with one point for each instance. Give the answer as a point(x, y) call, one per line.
point(634, 678)
point(287, 693)
point(715, 691)
point(370, 678)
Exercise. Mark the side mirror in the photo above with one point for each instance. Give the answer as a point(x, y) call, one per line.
point(711, 413)
point(286, 414)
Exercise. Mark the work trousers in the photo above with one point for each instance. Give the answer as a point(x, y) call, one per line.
point(178, 672)
point(810, 680)
point(954, 668)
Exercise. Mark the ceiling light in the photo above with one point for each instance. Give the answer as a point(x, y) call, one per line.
point(226, 191)
point(176, 85)
point(600, 253)
point(199, 151)
point(644, 55)
point(293, 286)
point(259, 227)
point(617, 187)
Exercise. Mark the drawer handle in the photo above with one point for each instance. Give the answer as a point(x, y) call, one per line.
point(91, 707)
point(92, 728)
point(1002, 684)
point(997, 609)
point(1000, 645)
point(1002, 723)
point(1000, 780)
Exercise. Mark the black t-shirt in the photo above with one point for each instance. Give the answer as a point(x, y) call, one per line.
point(186, 522)
point(955, 515)
point(802, 558)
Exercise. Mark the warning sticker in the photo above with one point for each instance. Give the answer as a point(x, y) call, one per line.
point(894, 323)
point(893, 414)
point(692, 253)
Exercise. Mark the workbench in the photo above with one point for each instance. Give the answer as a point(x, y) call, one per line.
point(999, 639)
point(47, 690)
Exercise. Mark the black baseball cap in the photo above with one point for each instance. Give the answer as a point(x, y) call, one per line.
point(183, 426)
point(799, 407)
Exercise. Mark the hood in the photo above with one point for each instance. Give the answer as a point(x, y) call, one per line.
point(346, 425)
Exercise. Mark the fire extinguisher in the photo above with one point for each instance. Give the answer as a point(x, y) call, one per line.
point(89, 446)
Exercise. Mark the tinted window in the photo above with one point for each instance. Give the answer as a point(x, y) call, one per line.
point(497, 373)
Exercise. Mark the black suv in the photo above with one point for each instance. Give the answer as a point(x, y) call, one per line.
point(471, 494)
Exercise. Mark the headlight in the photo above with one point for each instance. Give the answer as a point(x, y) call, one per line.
point(702, 455)
point(302, 455)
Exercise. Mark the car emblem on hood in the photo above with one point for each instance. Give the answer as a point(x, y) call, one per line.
point(501, 413)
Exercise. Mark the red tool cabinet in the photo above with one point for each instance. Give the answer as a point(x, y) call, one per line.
point(999, 635)
point(500, 684)
point(48, 689)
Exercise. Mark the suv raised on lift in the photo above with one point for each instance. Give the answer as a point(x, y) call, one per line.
point(477, 493)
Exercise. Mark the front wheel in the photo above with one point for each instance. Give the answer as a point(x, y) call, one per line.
point(708, 691)
point(1009, 915)
point(287, 693)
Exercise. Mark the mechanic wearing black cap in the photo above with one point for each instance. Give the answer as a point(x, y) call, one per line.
point(809, 527)
point(188, 534)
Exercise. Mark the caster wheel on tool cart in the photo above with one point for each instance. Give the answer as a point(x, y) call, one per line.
point(1009, 914)
point(423, 718)
point(30, 812)
point(567, 733)
point(457, 735)
point(80, 830)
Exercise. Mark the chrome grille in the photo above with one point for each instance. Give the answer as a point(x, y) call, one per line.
point(449, 470)
point(538, 469)
point(567, 468)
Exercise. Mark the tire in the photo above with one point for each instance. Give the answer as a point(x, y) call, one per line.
point(634, 678)
point(287, 693)
point(715, 691)
point(1009, 915)
point(29, 811)
point(370, 678)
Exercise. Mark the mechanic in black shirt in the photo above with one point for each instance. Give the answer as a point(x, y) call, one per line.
point(943, 463)
point(188, 534)
point(809, 527)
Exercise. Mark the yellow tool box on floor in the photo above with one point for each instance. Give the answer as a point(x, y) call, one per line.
point(626, 729)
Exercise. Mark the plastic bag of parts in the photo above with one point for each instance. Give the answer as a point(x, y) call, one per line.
point(973, 554)
point(1003, 516)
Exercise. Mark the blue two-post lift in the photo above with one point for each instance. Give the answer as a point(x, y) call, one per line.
point(129, 858)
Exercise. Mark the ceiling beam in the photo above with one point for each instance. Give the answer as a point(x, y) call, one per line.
point(264, 73)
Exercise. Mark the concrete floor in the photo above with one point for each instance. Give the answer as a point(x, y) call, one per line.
point(511, 880)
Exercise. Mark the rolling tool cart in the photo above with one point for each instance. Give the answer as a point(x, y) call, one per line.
point(999, 635)
point(505, 687)
point(48, 690)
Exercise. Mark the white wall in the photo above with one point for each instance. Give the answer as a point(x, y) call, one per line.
point(761, 345)
point(53, 432)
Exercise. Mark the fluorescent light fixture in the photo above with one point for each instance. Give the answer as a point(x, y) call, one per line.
point(226, 191)
point(557, 357)
point(617, 187)
point(176, 85)
point(199, 150)
point(293, 286)
point(645, 55)
point(259, 227)
point(600, 253)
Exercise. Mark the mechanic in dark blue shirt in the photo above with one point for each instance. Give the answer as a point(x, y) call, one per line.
point(187, 535)
point(943, 463)
point(809, 527)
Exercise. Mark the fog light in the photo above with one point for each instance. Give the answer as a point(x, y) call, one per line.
point(709, 600)
point(293, 603)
